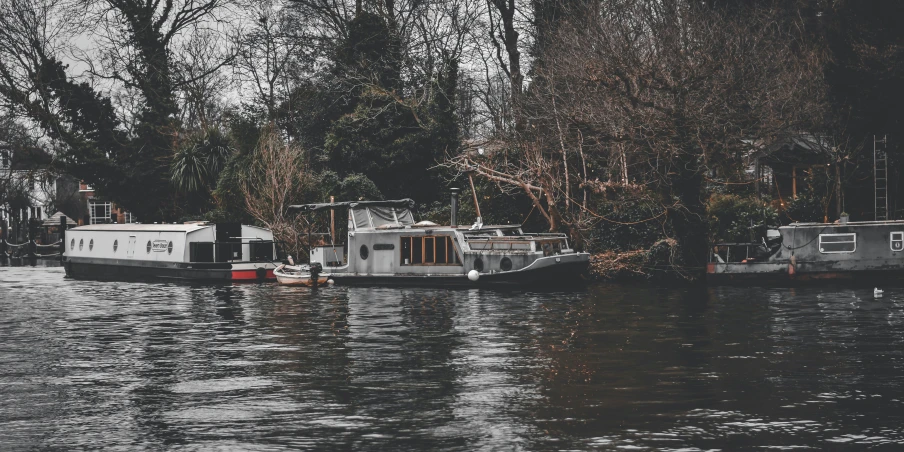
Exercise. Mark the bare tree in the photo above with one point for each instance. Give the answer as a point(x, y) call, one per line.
point(200, 79)
point(277, 178)
point(266, 50)
point(670, 92)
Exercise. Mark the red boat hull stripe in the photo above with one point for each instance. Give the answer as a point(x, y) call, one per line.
point(250, 275)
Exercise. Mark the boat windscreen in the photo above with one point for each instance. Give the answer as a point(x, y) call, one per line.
point(360, 217)
point(377, 216)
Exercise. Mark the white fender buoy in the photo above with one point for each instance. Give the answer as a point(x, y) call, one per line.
point(473, 275)
point(330, 281)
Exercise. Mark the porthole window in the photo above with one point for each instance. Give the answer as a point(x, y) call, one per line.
point(169, 248)
point(364, 252)
point(478, 264)
point(505, 264)
point(72, 244)
point(81, 244)
point(149, 247)
point(91, 245)
point(897, 241)
point(115, 245)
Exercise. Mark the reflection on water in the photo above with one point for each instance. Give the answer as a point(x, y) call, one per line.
point(261, 367)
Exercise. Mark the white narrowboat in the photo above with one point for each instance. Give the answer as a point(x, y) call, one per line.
point(191, 251)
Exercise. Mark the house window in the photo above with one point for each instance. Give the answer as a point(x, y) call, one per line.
point(4, 159)
point(34, 212)
point(837, 243)
point(897, 241)
point(429, 250)
point(99, 212)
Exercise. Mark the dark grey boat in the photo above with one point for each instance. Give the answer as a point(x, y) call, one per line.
point(871, 252)
point(386, 246)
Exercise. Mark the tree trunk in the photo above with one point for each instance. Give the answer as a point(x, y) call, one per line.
point(688, 218)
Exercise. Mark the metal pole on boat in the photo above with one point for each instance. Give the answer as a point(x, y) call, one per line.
point(332, 220)
point(3, 234)
point(474, 192)
point(63, 225)
point(454, 219)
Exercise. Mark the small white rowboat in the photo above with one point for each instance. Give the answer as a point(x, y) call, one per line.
point(299, 275)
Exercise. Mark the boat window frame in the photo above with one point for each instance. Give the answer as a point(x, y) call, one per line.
point(854, 241)
point(457, 261)
point(891, 240)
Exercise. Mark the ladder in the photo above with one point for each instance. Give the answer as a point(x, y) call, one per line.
point(880, 177)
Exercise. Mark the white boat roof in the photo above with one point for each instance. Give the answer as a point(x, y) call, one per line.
point(143, 227)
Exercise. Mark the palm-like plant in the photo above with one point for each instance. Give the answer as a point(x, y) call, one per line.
point(198, 162)
point(190, 169)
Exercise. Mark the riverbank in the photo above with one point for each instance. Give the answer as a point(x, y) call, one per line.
point(656, 264)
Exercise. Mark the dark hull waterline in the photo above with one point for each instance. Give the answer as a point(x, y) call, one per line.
point(563, 275)
point(220, 273)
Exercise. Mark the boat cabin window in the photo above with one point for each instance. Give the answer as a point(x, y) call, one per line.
point(429, 250)
point(897, 241)
point(837, 243)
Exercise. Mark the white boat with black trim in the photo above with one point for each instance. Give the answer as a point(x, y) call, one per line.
point(191, 251)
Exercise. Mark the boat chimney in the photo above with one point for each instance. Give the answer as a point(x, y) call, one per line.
point(454, 222)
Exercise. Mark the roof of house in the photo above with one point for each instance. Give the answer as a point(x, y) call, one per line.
point(54, 220)
point(799, 149)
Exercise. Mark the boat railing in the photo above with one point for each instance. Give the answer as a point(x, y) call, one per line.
point(485, 243)
point(743, 252)
point(545, 234)
point(549, 244)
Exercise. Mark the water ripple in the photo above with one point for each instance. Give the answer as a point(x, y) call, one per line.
point(138, 366)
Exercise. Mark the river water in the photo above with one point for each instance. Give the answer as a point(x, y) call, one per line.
point(165, 366)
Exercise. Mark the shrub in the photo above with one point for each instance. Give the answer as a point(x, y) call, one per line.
point(805, 208)
point(732, 216)
point(624, 228)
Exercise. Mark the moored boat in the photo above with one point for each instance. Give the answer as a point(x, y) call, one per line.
point(191, 251)
point(869, 252)
point(385, 246)
point(301, 275)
